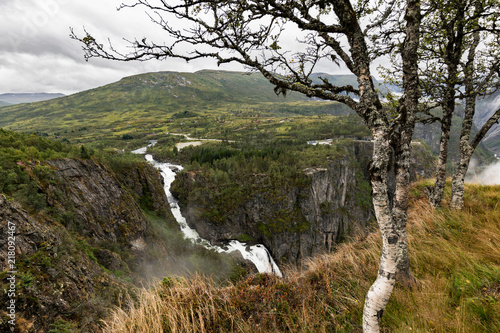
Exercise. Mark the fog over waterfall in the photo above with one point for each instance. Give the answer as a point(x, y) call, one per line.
point(485, 176)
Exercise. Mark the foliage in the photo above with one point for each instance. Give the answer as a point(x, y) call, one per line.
point(20, 171)
point(61, 326)
point(229, 174)
point(118, 161)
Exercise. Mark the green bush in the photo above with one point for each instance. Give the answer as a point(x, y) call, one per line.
point(62, 326)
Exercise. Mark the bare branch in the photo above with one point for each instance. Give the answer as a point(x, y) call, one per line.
point(494, 119)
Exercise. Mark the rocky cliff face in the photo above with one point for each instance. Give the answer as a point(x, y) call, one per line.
point(105, 208)
point(485, 108)
point(101, 230)
point(54, 277)
point(69, 257)
point(431, 134)
point(102, 210)
point(294, 221)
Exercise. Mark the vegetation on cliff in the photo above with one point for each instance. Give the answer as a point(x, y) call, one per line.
point(455, 256)
point(88, 223)
point(296, 199)
point(264, 193)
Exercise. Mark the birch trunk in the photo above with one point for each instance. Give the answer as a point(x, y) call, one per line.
point(401, 199)
point(438, 190)
point(466, 151)
point(466, 147)
point(402, 144)
point(379, 293)
point(458, 183)
point(392, 220)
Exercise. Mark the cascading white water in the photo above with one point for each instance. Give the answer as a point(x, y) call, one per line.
point(258, 254)
point(142, 151)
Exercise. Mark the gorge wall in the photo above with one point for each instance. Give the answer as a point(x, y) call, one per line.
point(76, 258)
point(295, 219)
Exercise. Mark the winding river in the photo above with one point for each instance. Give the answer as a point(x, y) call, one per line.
point(258, 254)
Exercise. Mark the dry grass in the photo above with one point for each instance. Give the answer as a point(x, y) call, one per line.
point(455, 255)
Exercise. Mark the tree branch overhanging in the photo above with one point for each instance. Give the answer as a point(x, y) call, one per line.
point(227, 32)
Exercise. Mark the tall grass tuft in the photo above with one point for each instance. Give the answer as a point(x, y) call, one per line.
point(454, 255)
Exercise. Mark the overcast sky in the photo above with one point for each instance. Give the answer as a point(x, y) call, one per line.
point(37, 55)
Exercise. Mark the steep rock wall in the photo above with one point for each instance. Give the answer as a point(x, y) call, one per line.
point(102, 210)
point(70, 255)
point(298, 219)
point(54, 275)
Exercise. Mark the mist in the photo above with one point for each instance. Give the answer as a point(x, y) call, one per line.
point(489, 175)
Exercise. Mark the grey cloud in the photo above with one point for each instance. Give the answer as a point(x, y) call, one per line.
point(36, 53)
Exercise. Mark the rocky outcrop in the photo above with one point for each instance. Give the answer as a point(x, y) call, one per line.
point(70, 256)
point(106, 209)
point(95, 231)
point(146, 184)
point(55, 278)
point(102, 210)
point(295, 220)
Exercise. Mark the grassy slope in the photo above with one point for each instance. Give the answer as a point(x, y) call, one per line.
point(455, 255)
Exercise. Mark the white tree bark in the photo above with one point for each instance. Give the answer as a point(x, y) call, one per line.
point(380, 292)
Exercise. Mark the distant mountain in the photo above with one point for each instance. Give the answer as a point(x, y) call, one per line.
point(12, 98)
point(485, 108)
point(142, 100)
point(431, 134)
point(156, 97)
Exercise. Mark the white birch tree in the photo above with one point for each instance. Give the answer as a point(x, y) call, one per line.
point(251, 33)
point(461, 59)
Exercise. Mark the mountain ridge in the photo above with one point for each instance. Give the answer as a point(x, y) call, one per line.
point(19, 98)
point(149, 97)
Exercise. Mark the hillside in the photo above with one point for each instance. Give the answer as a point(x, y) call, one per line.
point(19, 98)
point(485, 108)
point(85, 225)
point(152, 97)
point(208, 103)
point(431, 134)
point(454, 255)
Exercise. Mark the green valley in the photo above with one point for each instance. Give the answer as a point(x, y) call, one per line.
point(160, 102)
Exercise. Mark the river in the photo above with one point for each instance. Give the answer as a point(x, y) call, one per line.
point(257, 254)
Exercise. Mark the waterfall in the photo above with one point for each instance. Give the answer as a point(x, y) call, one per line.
point(257, 254)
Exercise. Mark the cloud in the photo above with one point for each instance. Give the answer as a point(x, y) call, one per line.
point(37, 55)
